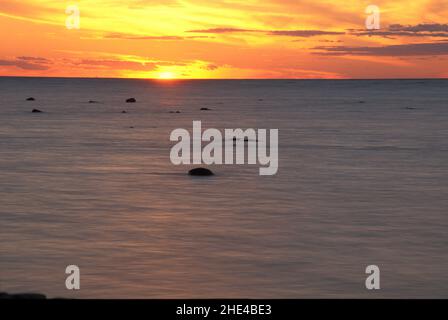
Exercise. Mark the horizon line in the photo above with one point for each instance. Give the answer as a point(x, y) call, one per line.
point(218, 79)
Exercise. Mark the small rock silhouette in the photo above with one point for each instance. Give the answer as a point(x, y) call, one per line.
point(124, 111)
point(205, 109)
point(93, 101)
point(131, 100)
point(36, 111)
point(200, 172)
point(30, 99)
point(246, 139)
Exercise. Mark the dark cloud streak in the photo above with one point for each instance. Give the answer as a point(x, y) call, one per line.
point(417, 49)
point(223, 30)
point(26, 63)
point(289, 33)
point(419, 30)
point(304, 33)
point(136, 37)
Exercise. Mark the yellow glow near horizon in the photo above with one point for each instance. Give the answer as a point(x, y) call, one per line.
point(166, 75)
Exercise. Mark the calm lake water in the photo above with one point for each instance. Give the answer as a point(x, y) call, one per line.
point(362, 179)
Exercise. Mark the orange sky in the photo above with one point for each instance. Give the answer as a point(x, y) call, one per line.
point(224, 39)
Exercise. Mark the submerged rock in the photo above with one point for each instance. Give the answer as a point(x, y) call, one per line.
point(246, 139)
point(93, 101)
point(124, 111)
point(200, 172)
point(36, 111)
point(205, 109)
point(30, 99)
point(131, 100)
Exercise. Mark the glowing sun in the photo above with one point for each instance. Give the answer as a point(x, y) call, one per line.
point(166, 75)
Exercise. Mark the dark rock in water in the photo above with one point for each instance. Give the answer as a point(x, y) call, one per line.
point(205, 109)
point(124, 111)
point(93, 101)
point(246, 139)
point(131, 127)
point(36, 111)
point(131, 100)
point(30, 99)
point(175, 111)
point(23, 296)
point(200, 172)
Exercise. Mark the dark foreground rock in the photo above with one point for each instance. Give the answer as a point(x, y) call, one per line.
point(205, 109)
point(4, 295)
point(36, 111)
point(131, 100)
point(174, 111)
point(93, 101)
point(30, 99)
point(200, 172)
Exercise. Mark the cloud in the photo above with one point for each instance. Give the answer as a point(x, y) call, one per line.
point(222, 30)
point(33, 59)
point(304, 33)
point(290, 33)
point(210, 67)
point(429, 27)
point(138, 37)
point(26, 63)
point(199, 37)
point(419, 30)
point(417, 49)
point(326, 40)
point(116, 64)
point(123, 36)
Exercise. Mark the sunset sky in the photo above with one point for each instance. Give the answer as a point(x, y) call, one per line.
point(224, 39)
